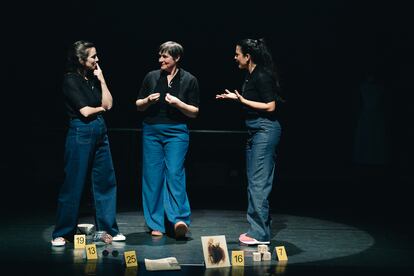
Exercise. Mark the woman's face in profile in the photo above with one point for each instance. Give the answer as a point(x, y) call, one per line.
point(241, 59)
point(167, 62)
point(91, 60)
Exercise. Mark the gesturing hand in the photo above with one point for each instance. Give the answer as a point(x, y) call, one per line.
point(153, 98)
point(172, 100)
point(229, 95)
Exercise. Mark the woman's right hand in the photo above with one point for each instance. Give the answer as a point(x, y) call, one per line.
point(227, 95)
point(143, 104)
point(153, 98)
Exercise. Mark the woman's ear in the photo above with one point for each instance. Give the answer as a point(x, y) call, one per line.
point(177, 59)
point(81, 61)
point(248, 57)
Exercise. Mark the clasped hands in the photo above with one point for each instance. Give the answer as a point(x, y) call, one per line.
point(155, 97)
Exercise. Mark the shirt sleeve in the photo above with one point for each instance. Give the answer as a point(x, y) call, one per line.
point(266, 88)
point(193, 93)
point(73, 94)
point(144, 91)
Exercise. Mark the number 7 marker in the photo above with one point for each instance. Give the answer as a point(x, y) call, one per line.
point(281, 253)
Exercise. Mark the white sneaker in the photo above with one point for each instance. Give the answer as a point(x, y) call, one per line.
point(119, 237)
point(59, 241)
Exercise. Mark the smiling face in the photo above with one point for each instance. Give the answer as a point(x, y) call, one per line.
point(167, 62)
point(91, 60)
point(241, 59)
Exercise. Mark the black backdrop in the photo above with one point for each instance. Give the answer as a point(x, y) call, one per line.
point(325, 52)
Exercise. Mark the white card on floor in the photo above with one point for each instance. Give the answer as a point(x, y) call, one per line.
point(169, 263)
point(215, 251)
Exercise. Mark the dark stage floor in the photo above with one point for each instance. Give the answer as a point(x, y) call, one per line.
point(315, 246)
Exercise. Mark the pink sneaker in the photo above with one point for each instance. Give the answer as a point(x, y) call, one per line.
point(251, 241)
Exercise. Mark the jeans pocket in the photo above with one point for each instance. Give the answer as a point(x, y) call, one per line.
point(84, 135)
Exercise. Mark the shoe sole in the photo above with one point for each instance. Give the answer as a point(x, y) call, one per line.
point(58, 243)
point(254, 242)
point(118, 240)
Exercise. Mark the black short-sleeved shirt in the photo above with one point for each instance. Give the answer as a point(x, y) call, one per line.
point(183, 86)
point(259, 86)
point(79, 93)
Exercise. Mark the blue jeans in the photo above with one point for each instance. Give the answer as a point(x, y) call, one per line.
point(163, 174)
point(264, 136)
point(87, 153)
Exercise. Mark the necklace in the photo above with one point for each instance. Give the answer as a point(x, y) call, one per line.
point(169, 83)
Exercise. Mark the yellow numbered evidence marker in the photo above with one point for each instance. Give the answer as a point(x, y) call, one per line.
point(91, 253)
point(130, 258)
point(281, 253)
point(79, 241)
point(237, 258)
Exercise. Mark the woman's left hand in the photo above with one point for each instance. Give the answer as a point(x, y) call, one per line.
point(172, 100)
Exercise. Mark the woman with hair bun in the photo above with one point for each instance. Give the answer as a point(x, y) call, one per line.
point(87, 151)
point(260, 100)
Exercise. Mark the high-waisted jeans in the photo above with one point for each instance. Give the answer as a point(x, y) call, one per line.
point(264, 136)
point(87, 153)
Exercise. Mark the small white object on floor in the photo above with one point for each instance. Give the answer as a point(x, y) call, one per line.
point(267, 256)
point(262, 248)
point(257, 256)
point(169, 263)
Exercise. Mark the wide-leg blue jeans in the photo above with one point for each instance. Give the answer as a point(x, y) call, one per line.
point(263, 138)
point(87, 153)
point(163, 174)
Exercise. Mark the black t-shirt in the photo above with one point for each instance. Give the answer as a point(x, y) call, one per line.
point(79, 93)
point(259, 86)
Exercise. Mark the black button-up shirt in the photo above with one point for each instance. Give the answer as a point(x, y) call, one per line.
point(79, 93)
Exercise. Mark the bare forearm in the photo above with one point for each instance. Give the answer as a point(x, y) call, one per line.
point(89, 111)
point(142, 104)
point(267, 107)
point(187, 109)
point(106, 94)
point(107, 99)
